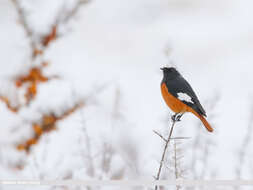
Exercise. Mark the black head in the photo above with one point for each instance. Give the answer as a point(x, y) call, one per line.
point(170, 72)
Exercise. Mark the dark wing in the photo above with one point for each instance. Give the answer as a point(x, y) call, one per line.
point(181, 89)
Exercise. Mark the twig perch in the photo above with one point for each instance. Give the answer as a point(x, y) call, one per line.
point(175, 118)
point(174, 138)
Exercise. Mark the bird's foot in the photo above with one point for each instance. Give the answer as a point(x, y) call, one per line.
point(176, 117)
point(173, 117)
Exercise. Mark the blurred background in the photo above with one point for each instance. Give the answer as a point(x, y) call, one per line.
point(80, 89)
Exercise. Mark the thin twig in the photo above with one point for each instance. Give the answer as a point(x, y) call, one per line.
point(165, 149)
point(175, 160)
point(24, 23)
point(244, 147)
point(162, 137)
point(73, 11)
point(176, 164)
point(53, 32)
point(174, 138)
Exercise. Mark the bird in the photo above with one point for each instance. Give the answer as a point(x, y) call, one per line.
point(180, 97)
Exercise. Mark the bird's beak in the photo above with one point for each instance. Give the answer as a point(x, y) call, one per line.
point(162, 69)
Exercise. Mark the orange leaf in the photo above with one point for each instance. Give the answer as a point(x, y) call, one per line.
point(8, 104)
point(37, 129)
point(37, 52)
point(50, 37)
point(31, 142)
point(21, 147)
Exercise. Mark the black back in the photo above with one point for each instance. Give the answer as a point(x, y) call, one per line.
point(176, 84)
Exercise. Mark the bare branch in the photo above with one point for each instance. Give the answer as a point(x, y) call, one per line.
point(96, 90)
point(23, 22)
point(245, 145)
point(63, 18)
point(73, 12)
point(174, 138)
point(47, 123)
point(174, 120)
point(8, 104)
point(88, 146)
point(176, 169)
point(160, 135)
point(175, 161)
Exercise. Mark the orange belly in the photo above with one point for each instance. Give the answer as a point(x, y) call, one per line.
point(175, 104)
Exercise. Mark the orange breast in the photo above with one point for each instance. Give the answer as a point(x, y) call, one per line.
point(175, 104)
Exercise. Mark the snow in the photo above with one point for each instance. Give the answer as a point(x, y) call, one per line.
point(122, 45)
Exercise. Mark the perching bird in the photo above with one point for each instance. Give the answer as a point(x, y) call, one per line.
point(180, 97)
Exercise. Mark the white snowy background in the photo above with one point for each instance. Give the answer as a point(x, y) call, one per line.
point(109, 54)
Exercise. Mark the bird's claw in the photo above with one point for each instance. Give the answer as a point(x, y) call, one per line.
point(176, 117)
point(173, 117)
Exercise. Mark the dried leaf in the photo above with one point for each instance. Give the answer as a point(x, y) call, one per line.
point(33, 78)
point(37, 130)
point(46, 124)
point(37, 52)
point(8, 104)
point(31, 92)
point(50, 37)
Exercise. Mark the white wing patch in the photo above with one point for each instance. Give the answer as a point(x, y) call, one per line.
point(184, 97)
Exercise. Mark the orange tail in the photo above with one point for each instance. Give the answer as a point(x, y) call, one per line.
point(206, 124)
point(204, 121)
